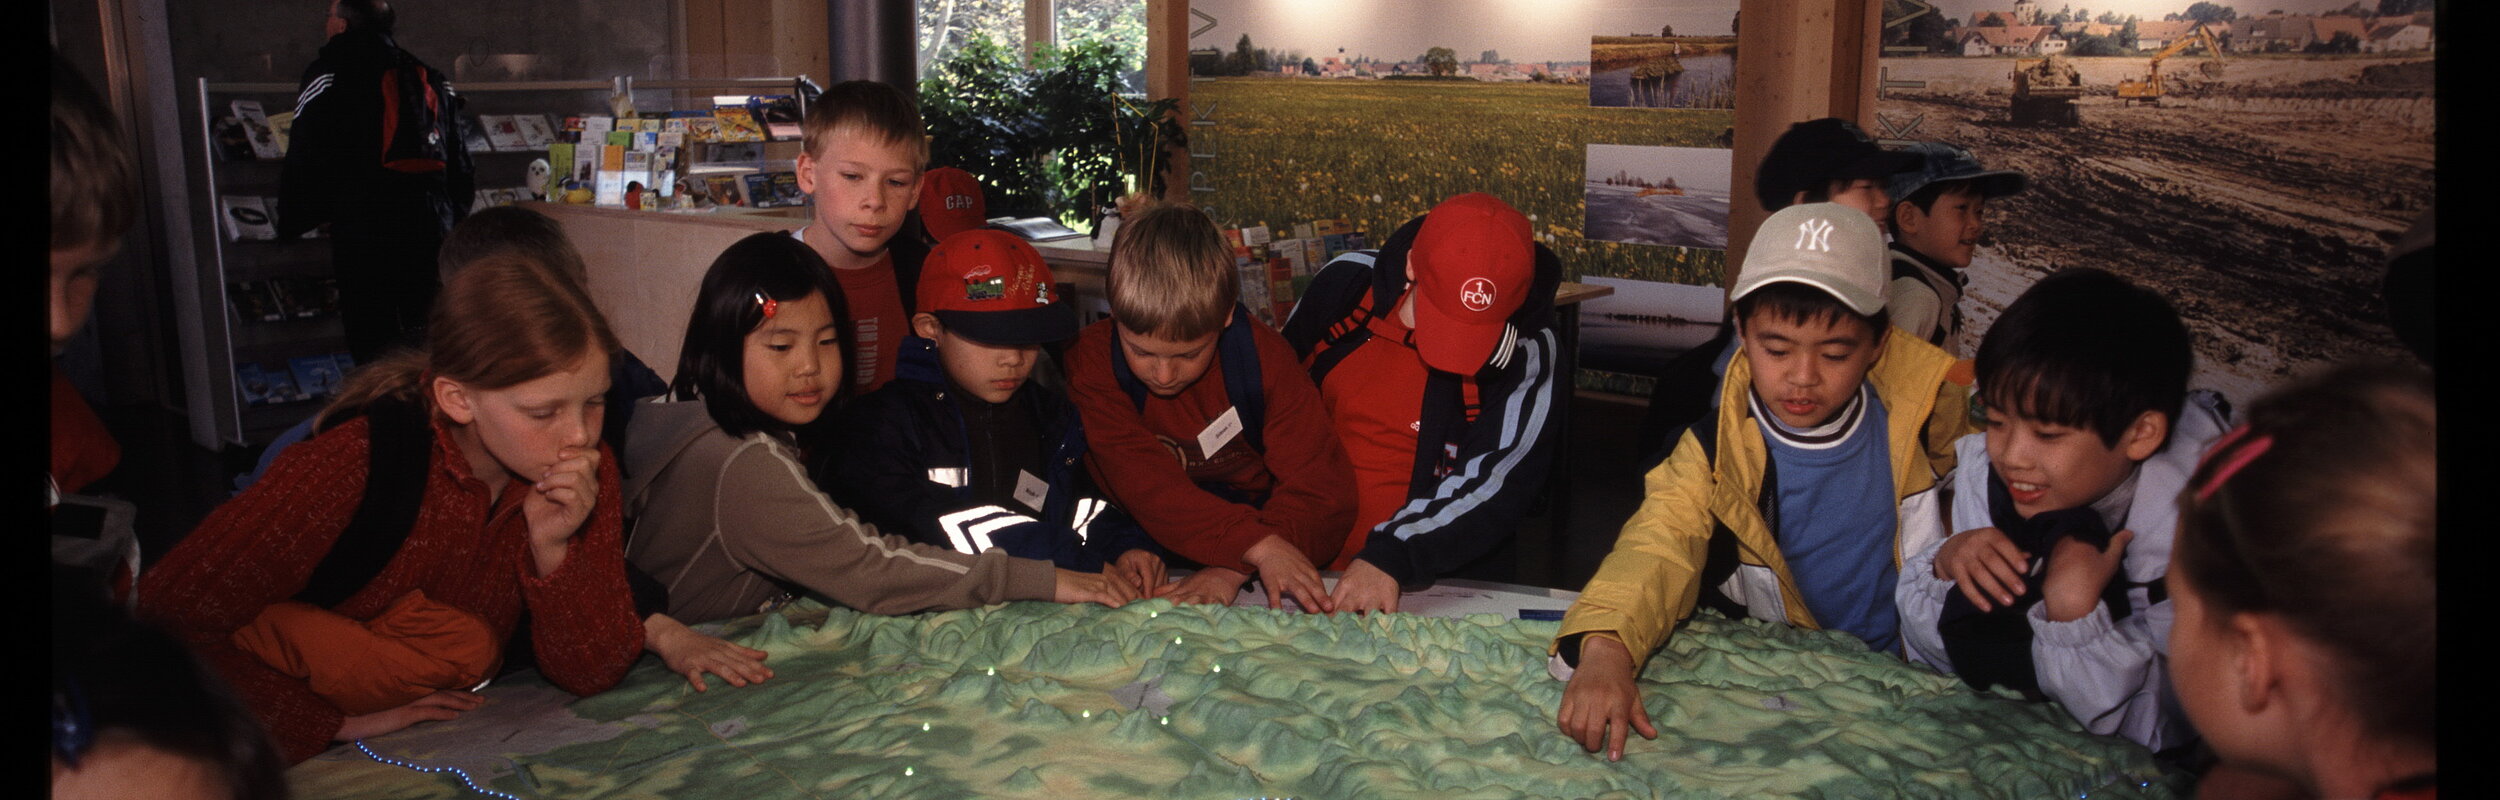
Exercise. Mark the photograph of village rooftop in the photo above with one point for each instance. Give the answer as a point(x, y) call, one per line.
point(2254, 160)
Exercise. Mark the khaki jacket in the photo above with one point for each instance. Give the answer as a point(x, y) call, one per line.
point(730, 524)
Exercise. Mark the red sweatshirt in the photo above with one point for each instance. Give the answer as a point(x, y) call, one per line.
point(1150, 462)
point(260, 548)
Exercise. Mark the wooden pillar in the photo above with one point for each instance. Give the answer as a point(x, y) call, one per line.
point(1796, 60)
point(1167, 75)
point(1041, 26)
point(721, 37)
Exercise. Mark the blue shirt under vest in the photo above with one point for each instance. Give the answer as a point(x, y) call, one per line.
point(1837, 515)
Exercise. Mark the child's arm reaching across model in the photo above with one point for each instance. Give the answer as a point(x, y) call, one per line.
point(1602, 703)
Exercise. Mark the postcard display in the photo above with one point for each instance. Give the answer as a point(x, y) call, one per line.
point(268, 347)
point(280, 351)
point(1612, 135)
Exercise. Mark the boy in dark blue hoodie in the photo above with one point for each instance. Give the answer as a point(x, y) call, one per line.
point(965, 449)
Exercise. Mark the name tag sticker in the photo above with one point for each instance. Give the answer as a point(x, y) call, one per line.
point(1219, 433)
point(1030, 490)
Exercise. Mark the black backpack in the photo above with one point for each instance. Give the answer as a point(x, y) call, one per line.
point(400, 441)
point(419, 118)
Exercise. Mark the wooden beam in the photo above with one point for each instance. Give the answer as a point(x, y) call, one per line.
point(1041, 25)
point(1797, 60)
point(1167, 75)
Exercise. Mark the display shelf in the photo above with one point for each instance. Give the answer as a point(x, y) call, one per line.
point(216, 340)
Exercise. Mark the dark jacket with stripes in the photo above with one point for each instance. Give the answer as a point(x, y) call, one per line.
point(902, 455)
point(334, 171)
point(1474, 479)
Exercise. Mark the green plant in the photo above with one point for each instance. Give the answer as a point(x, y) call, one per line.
point(1052, 137)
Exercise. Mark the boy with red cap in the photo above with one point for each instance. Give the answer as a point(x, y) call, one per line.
point(1439, 361)
point(964, 449)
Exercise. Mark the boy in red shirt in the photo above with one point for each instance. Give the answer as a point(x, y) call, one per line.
point(865, 146)
point(1202, 423)
point(1439, 362)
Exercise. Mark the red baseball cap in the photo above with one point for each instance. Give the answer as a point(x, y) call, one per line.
point(950, 202)
point(991, 287)
point(1473, 261)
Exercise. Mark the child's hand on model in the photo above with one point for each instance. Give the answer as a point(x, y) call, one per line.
point(1142, 569)
point(444, 704)
point(559, 502)
point(2077, 574)
point(691, 653)
point(1212, 586)
point(1985, 564)
point(1092, 587)
point(1602, 704)
point(1288, 573)
point(1365, 588)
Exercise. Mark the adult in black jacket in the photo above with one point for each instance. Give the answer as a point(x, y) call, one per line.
point(1484, 437)
point(385, 224)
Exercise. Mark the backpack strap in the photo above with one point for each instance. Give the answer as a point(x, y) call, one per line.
point(1243, 385)
point(1343, 337)
point(399, 451)
point(1719, 560)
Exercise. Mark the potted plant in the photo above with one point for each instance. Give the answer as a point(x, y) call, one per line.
point(1053, 137)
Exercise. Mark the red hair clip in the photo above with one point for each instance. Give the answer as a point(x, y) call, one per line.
point(770, 305)
point(2238, 461)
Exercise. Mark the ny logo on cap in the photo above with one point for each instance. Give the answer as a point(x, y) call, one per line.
point(1815, 234)
point(1476, 294)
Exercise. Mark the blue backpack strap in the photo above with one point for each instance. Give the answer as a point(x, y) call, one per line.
point(1242, 380)
point(1242, 384)
point(1127, 379)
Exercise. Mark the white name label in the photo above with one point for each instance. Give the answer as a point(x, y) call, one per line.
point(1031, 490)
point(1219, 433)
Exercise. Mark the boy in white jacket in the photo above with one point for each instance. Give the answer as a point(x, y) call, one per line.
point(2065, 505)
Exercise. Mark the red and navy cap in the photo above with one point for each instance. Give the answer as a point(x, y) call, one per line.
point(950, 202)
point(989, 286)
point(1473, 262)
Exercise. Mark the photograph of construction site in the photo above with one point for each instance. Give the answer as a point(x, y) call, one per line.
point(2254, 161)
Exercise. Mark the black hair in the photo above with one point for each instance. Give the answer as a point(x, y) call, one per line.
point(369, 16)
point(711, 364)
point(115, 676)
point(2084, 348)
point(1926, 196)
point(502, 229)
point(1798, 302)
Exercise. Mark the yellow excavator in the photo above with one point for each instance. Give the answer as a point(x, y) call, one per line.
point(2149, 90)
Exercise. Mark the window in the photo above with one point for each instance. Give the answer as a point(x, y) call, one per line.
point(944, 25)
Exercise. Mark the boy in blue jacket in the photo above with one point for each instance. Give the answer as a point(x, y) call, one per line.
point(964, 449)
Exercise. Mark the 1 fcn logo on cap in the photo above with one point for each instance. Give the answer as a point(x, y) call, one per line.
point(1815, 234)
point(1476, 294)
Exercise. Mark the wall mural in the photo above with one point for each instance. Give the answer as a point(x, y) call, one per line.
point(1371, 111)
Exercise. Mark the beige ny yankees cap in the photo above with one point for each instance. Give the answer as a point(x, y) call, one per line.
point(1828, 246)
